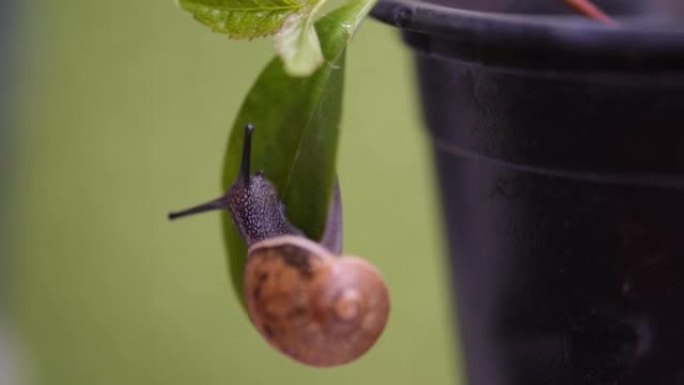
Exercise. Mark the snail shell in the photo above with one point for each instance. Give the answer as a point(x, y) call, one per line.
point(315, 307)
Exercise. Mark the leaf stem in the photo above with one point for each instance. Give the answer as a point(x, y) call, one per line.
point(312, 14)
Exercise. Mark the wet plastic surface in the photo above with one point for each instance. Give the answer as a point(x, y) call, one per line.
point(562, 180)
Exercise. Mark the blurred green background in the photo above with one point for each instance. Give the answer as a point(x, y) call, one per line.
point(122, 111)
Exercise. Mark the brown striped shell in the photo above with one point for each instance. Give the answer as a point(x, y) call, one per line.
point(317, 308)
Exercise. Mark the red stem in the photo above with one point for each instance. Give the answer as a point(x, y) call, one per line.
point(588, 9)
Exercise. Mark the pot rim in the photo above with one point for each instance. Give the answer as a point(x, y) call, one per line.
point(635, 34)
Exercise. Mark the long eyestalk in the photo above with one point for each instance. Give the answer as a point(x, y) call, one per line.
point(221, 203)
point(216, 204)
point(246, 153)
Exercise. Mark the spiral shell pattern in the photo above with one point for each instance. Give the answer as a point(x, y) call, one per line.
point(317, 308)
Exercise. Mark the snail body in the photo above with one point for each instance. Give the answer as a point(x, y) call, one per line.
point(308, 302)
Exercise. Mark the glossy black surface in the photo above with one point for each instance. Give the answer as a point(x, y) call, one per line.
point(644, 42)
point(563, 194)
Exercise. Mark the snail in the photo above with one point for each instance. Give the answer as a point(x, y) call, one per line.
point(307, 301)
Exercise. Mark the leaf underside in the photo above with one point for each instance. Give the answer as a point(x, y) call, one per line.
point(245, 19)
point(298, 46)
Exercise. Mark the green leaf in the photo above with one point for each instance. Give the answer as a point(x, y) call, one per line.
point(245, 19)
point(296, 124)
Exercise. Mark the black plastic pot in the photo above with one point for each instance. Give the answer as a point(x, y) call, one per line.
point(559, 145)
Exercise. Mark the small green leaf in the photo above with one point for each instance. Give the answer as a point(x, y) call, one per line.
point(245, 19)
point(296, 124)
point(297, 45)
